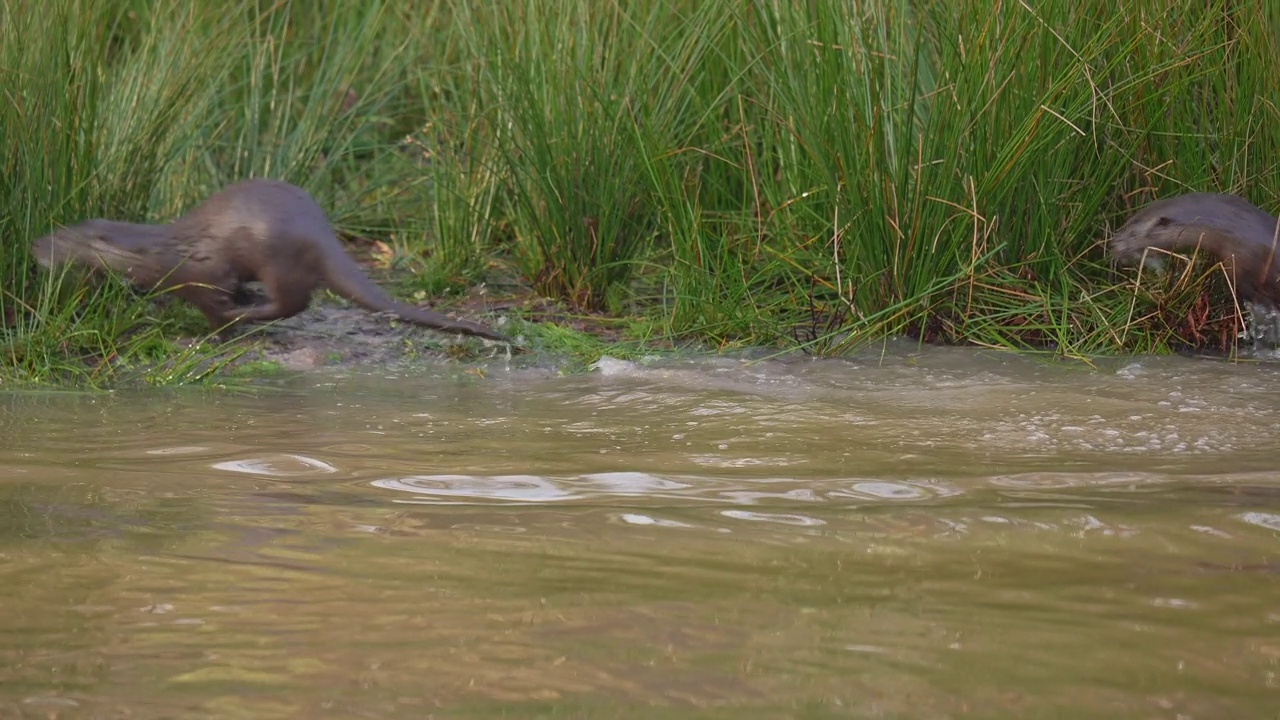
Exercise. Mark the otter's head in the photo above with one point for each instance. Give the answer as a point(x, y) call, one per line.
point(88, 243)
point(1140, 232)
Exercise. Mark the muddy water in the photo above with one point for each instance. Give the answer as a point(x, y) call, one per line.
point(934, 534)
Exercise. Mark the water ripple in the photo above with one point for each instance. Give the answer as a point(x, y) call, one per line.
point(526, 488)
point(1270, 521)
point(515, 488)
point(780, 518)
point(279, 465)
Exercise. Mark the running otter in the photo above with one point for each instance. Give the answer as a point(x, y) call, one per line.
point(264, 230)
point(1240, 234)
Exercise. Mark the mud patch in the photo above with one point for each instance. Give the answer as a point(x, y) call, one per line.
point(333, 336)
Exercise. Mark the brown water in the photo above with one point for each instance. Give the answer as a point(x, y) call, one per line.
point(933, 534)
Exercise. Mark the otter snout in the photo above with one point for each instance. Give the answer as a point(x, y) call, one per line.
point(1125, 246)
point(1132, 240)
point(54, 249)
point(42, 251)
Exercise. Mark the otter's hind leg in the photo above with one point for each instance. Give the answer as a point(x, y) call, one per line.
point(288, 293)
point(218, 303)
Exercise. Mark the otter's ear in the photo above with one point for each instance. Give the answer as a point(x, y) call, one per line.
point(1162, 221)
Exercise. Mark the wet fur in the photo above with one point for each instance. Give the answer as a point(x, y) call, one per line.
point(264, 230)
point(1237, 232)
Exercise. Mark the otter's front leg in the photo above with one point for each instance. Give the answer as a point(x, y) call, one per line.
point(217, 305)
point(274, 310)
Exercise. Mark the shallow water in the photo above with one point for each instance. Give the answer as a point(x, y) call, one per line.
point(934, 533)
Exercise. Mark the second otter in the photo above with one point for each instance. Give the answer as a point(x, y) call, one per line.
point(259, 229)
point(1241, 235)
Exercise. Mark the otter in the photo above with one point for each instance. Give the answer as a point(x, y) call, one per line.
point(260, 229)
point(1241, 235)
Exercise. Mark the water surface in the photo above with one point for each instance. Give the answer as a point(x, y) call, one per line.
point(920, 533)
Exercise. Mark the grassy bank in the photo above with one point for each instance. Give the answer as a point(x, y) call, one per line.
point(788, 174)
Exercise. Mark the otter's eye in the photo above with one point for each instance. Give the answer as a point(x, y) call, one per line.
point(1162, 221)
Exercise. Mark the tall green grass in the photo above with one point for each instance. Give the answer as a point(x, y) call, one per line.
point(799, 174)
point(825, 173)
point(136, 110)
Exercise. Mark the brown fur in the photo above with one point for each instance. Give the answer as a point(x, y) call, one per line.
point(259, 229)
point(1240, 234)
